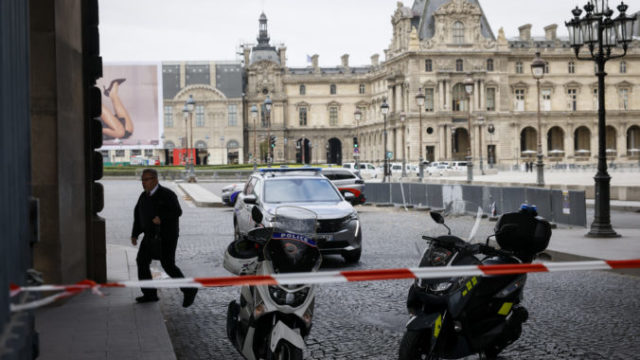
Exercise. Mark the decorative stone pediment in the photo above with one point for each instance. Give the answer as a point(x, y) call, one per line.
point(459, 7)
point(199, 91)
point(624, 85)
point(303, 104)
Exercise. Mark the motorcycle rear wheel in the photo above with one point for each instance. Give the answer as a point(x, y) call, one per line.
point(415, 346)
point(285, 351)
point(232, 319)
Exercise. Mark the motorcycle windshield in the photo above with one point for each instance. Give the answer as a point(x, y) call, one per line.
point(289, 252)
point(292, 247)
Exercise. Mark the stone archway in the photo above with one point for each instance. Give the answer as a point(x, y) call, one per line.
point(460, 145)
point(303, 151)
point(528, 142)
point(582, 142)
point(334, 151)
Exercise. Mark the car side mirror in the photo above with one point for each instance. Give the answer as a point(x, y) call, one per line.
point(256, 214)
point(250, 199)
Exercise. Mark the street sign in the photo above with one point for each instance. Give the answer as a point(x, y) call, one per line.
point(389, 155)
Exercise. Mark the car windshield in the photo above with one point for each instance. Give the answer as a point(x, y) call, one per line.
point(299, 190)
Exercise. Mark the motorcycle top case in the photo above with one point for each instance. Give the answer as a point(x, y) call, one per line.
point(528, 235)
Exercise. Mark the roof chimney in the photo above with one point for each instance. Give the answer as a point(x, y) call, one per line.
point(345, 60)
point(283, 56)
point(375, 60)
point(314, 62)
point(550, 32)
point(525, 32)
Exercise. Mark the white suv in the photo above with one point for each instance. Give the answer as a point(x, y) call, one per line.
point(339, 230)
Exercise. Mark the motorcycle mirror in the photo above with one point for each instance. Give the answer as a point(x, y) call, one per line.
point(437, 217)
point(256, 215)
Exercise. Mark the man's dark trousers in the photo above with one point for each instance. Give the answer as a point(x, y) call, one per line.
point(167, 260)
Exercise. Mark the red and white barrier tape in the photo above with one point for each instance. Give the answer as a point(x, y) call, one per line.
point(327, 277)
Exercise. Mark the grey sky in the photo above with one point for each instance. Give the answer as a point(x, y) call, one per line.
point(164, 30)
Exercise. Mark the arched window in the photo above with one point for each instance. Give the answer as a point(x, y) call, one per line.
point(458, 32)
point(610, 142)
point(232, 144)
point(459, 65)
point(528, 141)
point(582, 141)
point(169, 145)
point(303, 89)
point(555, 142)
point(489, 64)
point(200, 144)
point(633, 141)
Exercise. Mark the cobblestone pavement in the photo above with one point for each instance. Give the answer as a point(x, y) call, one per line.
point(573, 315)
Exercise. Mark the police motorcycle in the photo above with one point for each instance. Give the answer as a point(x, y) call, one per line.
point(273, 321)
point(452, 318)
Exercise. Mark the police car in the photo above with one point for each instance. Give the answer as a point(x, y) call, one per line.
point(339, 231)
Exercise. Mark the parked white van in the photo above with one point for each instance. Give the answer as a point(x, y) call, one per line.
point(367, 170)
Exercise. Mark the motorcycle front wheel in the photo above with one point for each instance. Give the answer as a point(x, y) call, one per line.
point(415, 346)
point(285, 351)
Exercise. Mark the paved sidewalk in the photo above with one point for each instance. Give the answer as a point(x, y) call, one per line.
point(200, 196)
point(112, 327)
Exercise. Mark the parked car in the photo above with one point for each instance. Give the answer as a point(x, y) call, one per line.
point(438, 168)
point(339, 230)
point(459, 165)
point(230, 193)
point(396, 168)
point(366, 171)
point(347, 181)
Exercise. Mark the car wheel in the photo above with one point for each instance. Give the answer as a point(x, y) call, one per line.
point(353, 256)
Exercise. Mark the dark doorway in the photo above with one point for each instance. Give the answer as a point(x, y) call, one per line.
point(431, 153)
point(303, 151)
point(491, 155)
point(334, 152)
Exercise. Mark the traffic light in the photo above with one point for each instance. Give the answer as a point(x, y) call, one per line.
point(355, 142)
point(272, 141)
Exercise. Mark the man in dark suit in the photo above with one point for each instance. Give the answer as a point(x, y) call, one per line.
point(156, 215)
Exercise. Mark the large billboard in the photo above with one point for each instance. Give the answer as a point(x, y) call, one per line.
point(131, 103)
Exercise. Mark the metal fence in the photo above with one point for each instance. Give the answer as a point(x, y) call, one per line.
point(564, 207)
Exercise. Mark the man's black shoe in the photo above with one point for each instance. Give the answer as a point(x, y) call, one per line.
point(189, 296)
point(146, 299)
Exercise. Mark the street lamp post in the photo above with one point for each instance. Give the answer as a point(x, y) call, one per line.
point(267, 107)
point(404, 154)
point(468, 88)
point(189, 106)
point(537, 69)
point(384, 108)
point(420, 103)
point(254, 116)
point(601, 34)
point(357, 115)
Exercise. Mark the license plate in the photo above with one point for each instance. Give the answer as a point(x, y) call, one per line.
point(324, 238)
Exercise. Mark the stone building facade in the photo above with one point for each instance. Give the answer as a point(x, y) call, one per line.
point(436, 46)
point(214, 127)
